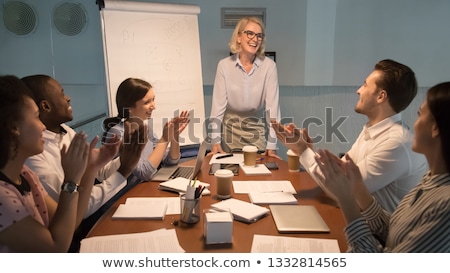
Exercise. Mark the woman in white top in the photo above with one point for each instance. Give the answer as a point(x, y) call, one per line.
point(246, 84)
point(135, 101)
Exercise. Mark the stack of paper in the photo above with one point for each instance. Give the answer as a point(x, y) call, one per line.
point(259, 169)
point(158, 241)
point(180, 184)
point(241, 210)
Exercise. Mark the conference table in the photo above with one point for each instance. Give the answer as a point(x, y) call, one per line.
point(190, 236)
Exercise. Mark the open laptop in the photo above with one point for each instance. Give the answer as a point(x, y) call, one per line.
point(189, 172)
point(298, 219)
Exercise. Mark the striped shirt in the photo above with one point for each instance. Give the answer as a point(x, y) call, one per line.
point(421, 222)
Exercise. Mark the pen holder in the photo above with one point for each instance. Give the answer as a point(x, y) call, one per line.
point(190, 209)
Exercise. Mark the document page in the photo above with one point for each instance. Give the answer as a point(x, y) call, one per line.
point(280, 244)
point(158, 241)
point(263, 186)
point(173, 203)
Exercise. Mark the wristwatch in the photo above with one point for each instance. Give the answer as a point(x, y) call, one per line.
point(69, 186)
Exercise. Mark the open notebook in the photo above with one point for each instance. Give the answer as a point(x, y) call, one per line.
point(189, 172)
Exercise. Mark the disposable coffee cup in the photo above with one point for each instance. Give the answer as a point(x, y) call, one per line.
point(250, 153)
point(293, 161)
point(224, 179)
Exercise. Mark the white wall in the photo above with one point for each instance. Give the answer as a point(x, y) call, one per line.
point(325, 49)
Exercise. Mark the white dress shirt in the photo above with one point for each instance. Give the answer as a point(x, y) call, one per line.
point(47, 165)
point(389, 168)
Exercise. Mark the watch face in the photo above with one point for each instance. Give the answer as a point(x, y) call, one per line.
point(69, 187)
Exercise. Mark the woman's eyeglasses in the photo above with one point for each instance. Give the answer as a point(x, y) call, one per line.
point(251, 35)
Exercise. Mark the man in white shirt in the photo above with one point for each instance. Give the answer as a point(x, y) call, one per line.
point(54, 111)
point(389, 167)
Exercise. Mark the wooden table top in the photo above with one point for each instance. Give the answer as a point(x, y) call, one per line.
point(191, 237)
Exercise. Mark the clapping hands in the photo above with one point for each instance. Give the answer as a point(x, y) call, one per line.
point(175, 127)
point(74, 158)
point(295, 139)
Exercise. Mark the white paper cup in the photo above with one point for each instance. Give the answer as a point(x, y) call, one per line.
point(224, 178)
point(250, 153)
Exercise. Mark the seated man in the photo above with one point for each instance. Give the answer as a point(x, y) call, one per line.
point(54, 111)
point(390, 169)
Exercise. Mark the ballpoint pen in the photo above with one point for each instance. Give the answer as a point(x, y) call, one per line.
point(224, 156)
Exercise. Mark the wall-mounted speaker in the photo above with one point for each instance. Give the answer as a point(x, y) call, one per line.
point(19, 17)
point(70, 18)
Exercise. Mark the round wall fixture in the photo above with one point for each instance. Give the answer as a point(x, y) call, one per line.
point(19, 17)
point(70, 18)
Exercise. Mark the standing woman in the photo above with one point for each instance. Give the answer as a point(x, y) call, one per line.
point(421, 222)
point(30, 220)
point(135, 101)
point(246, 84)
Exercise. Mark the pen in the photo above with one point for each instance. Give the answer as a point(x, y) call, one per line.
point(224, 156)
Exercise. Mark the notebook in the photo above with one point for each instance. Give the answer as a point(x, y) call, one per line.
point(259, 169)
point(128, 211)
point(298, 219)
point(241, 210)
point(180, 184)
point(189, 172)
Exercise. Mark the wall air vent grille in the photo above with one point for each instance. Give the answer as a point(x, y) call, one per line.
point(19, 17)
point(230, 16)
point(70, 18)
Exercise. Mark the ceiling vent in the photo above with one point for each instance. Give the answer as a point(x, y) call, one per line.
point(230, 16)
point(19, 17)
point(70, 18)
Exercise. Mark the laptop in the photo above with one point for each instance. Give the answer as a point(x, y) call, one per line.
point(298, 219)
point(189, 172)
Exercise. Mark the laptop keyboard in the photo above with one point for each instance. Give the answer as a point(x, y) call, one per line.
point(185, 172)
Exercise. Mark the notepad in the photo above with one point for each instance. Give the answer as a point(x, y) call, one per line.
point(265, 198)
point(298, 219)
point(155, 211)
point(259, 169)
point(180, 184)
point(241, 210)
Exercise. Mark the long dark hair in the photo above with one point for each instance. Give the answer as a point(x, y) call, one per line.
point(13, 98)
point(438, 99)
point(129, 92)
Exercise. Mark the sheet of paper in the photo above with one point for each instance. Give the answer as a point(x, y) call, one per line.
point(158, 241)
point(282, 244)
point(173, 203)
point(235, 159)
point(263, 186)
point(277, 197)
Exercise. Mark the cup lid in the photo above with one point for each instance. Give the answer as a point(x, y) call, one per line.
point(291, 153)
point(249, 149)
point(224, 173)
